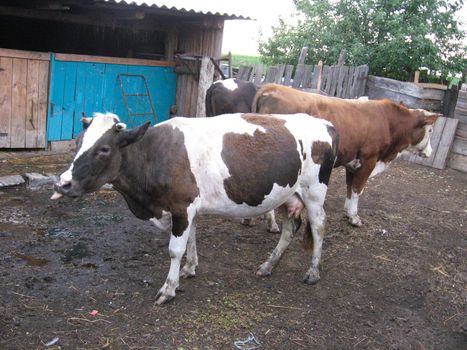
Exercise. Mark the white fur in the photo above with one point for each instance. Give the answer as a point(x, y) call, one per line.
point(229, 84)
point(93, 133)
point(379, 168)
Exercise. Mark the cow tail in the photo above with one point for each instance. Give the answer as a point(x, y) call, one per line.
point(308, 237)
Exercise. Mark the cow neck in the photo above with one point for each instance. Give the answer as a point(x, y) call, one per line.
point(134, 175)
point(401, 123)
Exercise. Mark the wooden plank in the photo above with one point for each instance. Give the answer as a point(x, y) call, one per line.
point(43, 84)
point(298, 77)
point(32, 101)
point(334, 81)
point(271, 74)
point(458, 162)
point(440, 159)
point(362, 80)
point(288, 74)
point(280, 74)
point(69, 96)
point(6, 74)
point(205, 81)
point(324, 78)
point(259, 74)
point(43, 56)
point(435, 139)
point(113, 60)
point(342, 80)
point(407, 88)
point(459, 145)
point(18, 103)
point(349, 83)
point(306, 83)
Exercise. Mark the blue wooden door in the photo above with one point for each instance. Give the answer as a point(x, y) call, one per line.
point(87, 87)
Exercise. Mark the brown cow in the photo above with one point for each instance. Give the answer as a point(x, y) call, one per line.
point(372, 133)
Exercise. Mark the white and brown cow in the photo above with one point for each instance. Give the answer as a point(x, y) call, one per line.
point(235, 96)
point(371, 133)
point(232, 165)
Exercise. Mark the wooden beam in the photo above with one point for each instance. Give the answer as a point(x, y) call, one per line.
point(114, 60)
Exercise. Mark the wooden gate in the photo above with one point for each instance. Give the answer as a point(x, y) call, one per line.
point(23, 98)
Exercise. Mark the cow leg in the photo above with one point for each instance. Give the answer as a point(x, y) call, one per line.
point(351, 200)
point(177, 247)
point(248, 222)
point(271, 222)
point(314, 198)
point(315, 227)
point(355, 184)
point(289, 227)
point(189, 269)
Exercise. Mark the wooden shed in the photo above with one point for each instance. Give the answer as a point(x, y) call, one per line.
point(65, 58)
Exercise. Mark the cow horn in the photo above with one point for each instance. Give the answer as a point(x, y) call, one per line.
point(120, 126)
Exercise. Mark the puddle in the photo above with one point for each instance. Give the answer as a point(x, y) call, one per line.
point(31, 261)
point(55, 232)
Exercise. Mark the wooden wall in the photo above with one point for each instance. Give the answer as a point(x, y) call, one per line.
point(411, 94)
point(201, 41)
point(24, 80)
point(458, 156)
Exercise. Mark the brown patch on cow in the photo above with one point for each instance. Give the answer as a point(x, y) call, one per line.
point(166, 181)
point(258, 162)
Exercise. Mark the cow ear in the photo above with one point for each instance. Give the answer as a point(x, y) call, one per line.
point(127, 137)
point(86, 121)
point(431, 119)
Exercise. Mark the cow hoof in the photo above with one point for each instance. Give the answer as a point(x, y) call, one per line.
point(355, 221)
point(248, 222)
point(311, 277)
point(264, 270)
point(274, 229)
point(163, 298)
point(187, 273)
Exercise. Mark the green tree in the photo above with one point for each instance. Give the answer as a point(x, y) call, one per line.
point(395, 37)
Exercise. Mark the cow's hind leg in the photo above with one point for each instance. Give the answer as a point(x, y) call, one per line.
point(177, 247)
point(313, 238)
point(289, 227)
point(189, 269)
point(271, 222)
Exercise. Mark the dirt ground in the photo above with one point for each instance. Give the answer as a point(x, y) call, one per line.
point(86, 272)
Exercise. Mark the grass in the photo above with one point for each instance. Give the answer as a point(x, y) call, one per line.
point(239, 60)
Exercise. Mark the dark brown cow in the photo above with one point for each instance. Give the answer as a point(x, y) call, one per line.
point(229, 96)
point(372, 133)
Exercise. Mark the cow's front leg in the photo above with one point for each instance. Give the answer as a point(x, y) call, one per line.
point(177, 247)
point(189, 269)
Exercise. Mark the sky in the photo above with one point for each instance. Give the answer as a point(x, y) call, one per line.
point(241, 37)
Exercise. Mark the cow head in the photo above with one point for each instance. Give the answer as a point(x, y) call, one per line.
point(98, 156)
point(421, 133)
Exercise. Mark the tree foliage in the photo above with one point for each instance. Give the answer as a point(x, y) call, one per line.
point(395, 37)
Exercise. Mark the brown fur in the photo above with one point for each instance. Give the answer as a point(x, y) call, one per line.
point(253, 176)
point(371, 131)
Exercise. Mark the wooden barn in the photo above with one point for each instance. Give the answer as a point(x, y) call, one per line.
point(60, 59)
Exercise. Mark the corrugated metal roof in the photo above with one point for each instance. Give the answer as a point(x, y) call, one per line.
point(214, 8)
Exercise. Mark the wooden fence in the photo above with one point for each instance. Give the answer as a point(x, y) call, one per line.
point(458, 156)
point(338, 80)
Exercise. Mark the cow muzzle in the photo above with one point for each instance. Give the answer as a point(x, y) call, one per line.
point(64, 188)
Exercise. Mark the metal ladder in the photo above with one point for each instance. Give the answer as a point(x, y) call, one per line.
point(147, 95)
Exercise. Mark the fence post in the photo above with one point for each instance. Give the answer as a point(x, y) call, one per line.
point(206, 74)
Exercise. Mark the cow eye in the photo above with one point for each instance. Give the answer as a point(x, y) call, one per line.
point(104, 150)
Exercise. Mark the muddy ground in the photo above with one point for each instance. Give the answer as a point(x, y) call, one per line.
point(86, 272)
